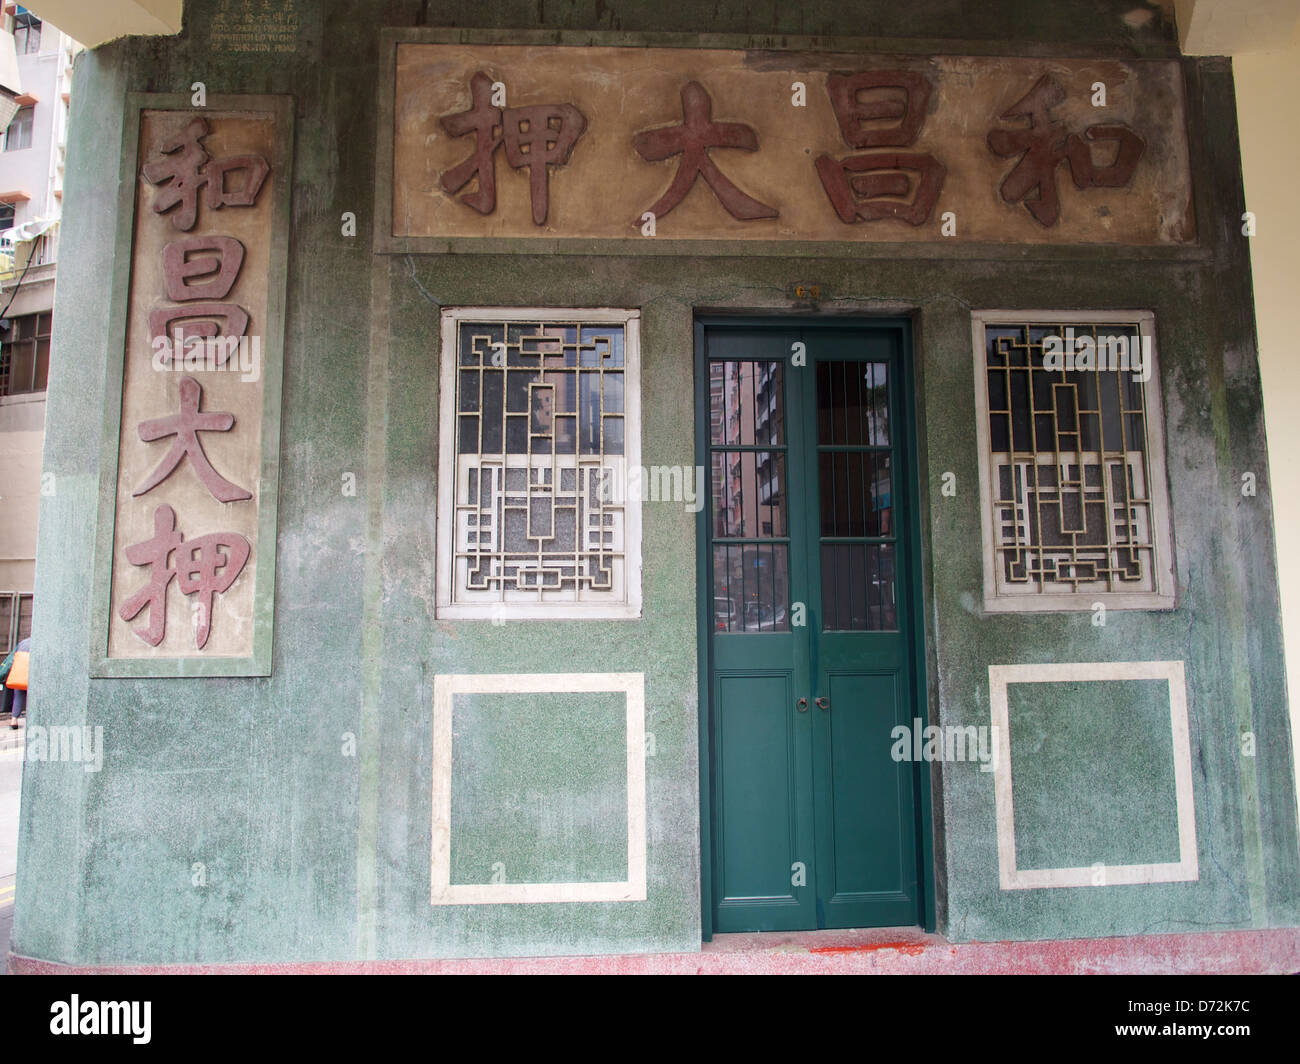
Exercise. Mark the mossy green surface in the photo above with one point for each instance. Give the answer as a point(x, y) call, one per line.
point(231, 822)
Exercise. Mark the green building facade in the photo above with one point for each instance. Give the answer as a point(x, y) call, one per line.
point(555, 523)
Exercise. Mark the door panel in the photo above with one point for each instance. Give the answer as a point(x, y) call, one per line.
point(763, 811)
point(813, 823)
point(762, 795)
point(870, 874)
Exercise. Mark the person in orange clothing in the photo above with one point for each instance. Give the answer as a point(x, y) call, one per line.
point(19, 692)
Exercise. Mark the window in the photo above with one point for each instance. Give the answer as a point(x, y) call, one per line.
point(1072, 468)
point(7, 212)
point(19, 133)
point(42, 250)
point(27, 32)
point(25, 354)
point(15, 620)
point(539, 435)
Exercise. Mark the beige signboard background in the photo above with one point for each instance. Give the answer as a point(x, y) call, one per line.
point(150, 392)
point(606, 186)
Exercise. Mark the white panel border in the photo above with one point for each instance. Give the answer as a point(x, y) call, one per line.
point(1164, 597)
point(445, 687)
point(1185, 868)
point(444, 546)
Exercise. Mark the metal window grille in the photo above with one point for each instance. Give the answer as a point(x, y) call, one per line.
point(27, 32)
point(1073, 465)
point(15, 619)
point(539, 511)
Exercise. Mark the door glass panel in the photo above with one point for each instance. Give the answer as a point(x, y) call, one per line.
point(751, 578)
point(858, 587)
point(855, 497)
point(747, 403)
point(751, 587)
point(853, 404)
point(749, 494)
point(854, 493)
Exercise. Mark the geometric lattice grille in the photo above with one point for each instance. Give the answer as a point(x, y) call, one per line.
point(540, 430)
point(1072, 511)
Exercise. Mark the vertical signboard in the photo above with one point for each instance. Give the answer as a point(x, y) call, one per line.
point(185, 558)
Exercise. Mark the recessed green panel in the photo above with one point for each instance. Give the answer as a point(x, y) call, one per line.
point(755, 785)
point(871, 791)
point(539, 788)
point(1092, 773)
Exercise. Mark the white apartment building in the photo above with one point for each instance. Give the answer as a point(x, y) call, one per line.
point(35, 81)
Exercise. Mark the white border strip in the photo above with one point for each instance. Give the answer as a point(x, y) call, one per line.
point(445, 687)
point(1185, 868)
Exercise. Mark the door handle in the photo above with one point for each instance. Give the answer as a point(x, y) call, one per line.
point(802, 705)
point(824, 702)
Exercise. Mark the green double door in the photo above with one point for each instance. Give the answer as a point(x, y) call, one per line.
point(810, 610)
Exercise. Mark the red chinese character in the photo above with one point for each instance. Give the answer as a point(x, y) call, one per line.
point(187, 168)
point(870, 187)
point(692, 140)
point(225, 255)
point(853, 112)
point(535, 137)
point(223, 322)
point(874, 186)
point(153, 553)
point(482, 120)
point(186, 427)
point(205, 571)
point(1044, 145)
point(1086, 174)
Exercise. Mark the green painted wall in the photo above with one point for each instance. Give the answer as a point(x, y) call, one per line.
point(312, 853)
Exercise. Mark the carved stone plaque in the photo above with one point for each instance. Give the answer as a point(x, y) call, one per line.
point(628, 144)
point(188, 571)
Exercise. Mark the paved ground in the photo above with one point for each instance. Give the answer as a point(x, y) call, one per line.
point(11, 776)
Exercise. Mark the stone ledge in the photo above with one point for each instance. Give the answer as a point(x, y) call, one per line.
point(882, 951)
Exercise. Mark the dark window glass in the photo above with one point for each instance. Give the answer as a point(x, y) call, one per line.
point(25, 354)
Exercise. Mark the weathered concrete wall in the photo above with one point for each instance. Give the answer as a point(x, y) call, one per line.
point(230, 821)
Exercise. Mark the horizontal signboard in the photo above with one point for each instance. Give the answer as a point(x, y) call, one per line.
point(624, 144)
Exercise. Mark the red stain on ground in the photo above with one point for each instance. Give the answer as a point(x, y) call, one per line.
point(912, 949)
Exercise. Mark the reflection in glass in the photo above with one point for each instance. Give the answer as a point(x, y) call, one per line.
point(751, 587)
point(858, 587)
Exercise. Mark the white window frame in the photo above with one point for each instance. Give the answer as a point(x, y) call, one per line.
point(630, 607)
point(1164, 596)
